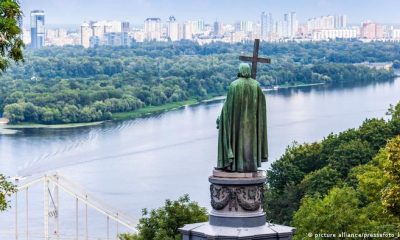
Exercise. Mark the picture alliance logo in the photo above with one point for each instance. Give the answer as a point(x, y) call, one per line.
point(354, 235)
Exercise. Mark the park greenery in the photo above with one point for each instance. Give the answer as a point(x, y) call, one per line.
point(72, 84)
point(163, 223)
point(348, 182)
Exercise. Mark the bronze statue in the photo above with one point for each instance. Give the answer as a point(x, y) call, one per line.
point(242, 141)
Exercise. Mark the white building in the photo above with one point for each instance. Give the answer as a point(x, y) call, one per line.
point(104, 33)
point(86, 33)
point(267, 24)
point(327, 22)
point(173, 29)
point(187, 30)
point(332, 34)
point(395, 34)
point(60, 37)
point(152, 29)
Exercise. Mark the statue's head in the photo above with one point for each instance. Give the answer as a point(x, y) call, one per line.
point(244, 70)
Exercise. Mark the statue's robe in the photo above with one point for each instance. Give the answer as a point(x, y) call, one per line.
point(242, 141)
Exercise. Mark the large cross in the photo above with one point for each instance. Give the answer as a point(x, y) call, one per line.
point(255, 59)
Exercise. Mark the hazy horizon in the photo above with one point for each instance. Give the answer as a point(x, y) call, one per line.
point(72, 12)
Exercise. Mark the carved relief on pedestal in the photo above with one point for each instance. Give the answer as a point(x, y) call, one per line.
point(235, 198)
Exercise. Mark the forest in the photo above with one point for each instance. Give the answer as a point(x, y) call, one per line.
point(348, 182)
point(73, 84)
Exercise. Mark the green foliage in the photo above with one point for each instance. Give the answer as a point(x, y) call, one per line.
point(335, 213)
point(369, 207)
point(10, 34)
point(313, 169)
point(350, 154)
point(320, 181)
point(391, 195)
point(6, 189)
point(73, 84)
point(163, 223)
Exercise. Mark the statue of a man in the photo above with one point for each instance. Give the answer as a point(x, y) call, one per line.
point(242, 140)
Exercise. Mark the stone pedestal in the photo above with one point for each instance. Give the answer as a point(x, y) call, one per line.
point(237, 210)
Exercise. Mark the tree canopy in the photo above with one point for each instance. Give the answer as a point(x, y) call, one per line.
point(348, 182)
point(10, 50)
point(72, 84)
point(10, 33)
point(163, 223)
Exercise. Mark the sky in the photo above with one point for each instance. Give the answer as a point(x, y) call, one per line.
point(227, 11)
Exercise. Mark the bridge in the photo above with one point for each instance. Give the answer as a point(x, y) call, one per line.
point(78, 228)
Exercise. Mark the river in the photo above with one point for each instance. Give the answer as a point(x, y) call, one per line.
point(139, 163)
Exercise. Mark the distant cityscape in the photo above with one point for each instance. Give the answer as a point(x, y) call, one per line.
point(285, 28)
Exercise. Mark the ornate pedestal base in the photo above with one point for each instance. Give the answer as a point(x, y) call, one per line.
point(237, 201)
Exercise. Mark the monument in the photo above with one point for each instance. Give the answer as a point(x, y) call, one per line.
point(237, 186)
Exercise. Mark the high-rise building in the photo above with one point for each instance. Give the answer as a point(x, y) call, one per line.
point(286, 24)
point(267, 24)
point(198, 26)
point(395, 34)
point(217, 28)
point(102, 27)
point(125, 27)
point(114, 33)
point(244, 26)
point(172, 29)
point(340, 21)
point(86, 33)
point(37, 29)
point(116, 39)
point(187, 30)
point(294, 25)
point(371, 30)
point(152, 29)
point(327, 22)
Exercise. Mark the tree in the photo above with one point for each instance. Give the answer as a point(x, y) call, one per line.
point(320, 181)
point(11, 43)
point(163, 223)
point(6, 189)
point(335, 213)
point(391, 195)
point(350, 154)
point(14, 112)
point(10, 49)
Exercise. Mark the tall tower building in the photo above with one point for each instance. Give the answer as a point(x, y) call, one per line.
point(294, 25)
point(37, 29)
point(286, 25)
point(267, 24)
point(86, 34)
point(188, 30)
point(172, 29)
point(217, 29)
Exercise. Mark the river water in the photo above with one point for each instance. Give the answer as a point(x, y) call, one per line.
point(139, 163)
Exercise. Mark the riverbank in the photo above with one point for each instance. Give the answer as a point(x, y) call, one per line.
point(115, 116)
point(152, 110)
point(146, 110)
point(55, 126)
point(299, 85)
point(285, 86)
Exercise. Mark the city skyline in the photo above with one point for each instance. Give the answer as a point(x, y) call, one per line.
point(138, 10)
